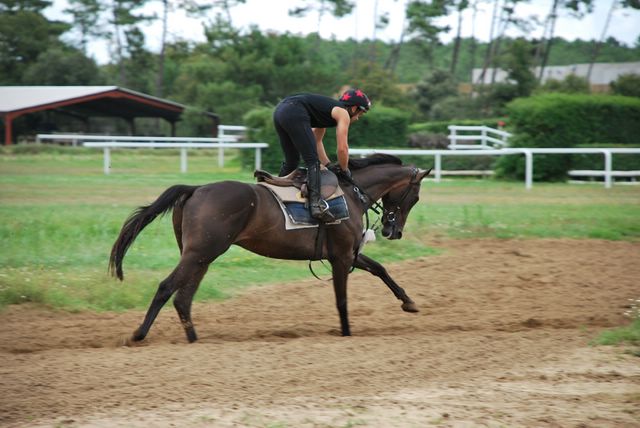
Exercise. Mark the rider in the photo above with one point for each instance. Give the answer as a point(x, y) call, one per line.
point(301, 121)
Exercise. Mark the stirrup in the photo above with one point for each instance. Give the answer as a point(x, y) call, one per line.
point(321, 212)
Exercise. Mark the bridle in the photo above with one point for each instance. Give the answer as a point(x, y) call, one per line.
point(390, 215)
point(376, 207)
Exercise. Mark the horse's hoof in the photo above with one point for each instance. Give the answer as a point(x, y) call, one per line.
point(127, 341)
point(410, 307)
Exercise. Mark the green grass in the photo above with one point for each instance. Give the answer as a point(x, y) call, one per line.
point(59, 215)
point(628, 334)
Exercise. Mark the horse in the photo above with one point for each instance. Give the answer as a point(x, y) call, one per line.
point(208, 219)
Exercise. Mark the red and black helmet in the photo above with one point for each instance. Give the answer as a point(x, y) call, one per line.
point(355, 97)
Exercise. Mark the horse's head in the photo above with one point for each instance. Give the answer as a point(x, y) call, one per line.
point(398, 202)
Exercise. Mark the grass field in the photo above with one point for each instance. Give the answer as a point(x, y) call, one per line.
point(60, 215)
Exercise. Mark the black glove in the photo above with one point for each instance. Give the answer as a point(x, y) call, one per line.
point(335, 168)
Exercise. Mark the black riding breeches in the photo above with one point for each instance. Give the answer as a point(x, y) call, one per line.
point(293, 126)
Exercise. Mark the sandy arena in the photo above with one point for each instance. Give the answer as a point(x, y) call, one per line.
point(502, 339)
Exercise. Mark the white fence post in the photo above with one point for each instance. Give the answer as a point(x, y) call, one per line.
point(183, 160)
point(438, 167)
point(453, 138)
point(258, 158)
point(528, 179)
point(106, 161)
point(607, 168)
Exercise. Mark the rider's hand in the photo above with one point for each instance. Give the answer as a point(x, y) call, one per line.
point(335, 168)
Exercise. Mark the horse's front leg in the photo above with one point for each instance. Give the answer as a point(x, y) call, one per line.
point(372, 266)
point(340, 268)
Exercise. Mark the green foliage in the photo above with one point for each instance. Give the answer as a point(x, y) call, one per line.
point(24, 34)
point(518, 62)
point(380, 127)
point(437, 85)
point(571, 84)
point(62, 67)
point(441, 127)
point(627, 85)
point(261, 130)
point(558, 120)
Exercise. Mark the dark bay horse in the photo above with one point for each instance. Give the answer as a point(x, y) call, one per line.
point(208, 219)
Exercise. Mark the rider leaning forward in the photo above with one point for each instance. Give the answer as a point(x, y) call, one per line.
point(301, 121)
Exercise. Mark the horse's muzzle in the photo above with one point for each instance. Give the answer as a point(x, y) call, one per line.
point(391, 232)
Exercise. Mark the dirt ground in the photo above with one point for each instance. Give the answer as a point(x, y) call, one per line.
point(502, 339)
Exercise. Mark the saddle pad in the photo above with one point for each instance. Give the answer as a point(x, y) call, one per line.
point(295, 213)
point(299, 213)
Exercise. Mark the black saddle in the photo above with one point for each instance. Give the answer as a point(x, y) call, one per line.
point(298, 179)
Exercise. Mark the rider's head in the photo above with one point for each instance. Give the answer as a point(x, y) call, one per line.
point(356, 102)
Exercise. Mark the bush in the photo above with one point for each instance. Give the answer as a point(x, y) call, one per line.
point(627, 85)
point(571, 84)
point(381, 127)
point(562, 120)
point(620, 161)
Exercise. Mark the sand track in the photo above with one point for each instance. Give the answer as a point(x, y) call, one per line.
point(502, 339)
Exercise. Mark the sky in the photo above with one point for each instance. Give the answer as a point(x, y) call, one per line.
point(272, 15)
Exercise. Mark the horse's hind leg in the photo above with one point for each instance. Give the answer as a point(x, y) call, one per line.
point(182, 303)
point(372, 266)
point(184, 279)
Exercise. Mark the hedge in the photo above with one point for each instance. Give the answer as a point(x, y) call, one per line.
point(567, 120)
point(380, 127)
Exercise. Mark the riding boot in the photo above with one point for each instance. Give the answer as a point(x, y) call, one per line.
point(318, 207)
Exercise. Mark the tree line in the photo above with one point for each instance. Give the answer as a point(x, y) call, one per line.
point(236, 69)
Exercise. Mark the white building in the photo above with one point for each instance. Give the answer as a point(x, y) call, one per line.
point(602, 74)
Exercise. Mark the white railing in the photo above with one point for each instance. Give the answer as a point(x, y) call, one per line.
point(484, 135)
point(81, 139)
point(108, 145)
point(528, 153)
point(234, 132)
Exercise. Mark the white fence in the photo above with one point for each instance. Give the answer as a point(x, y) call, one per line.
point(226, 134)
point(489, 138)
point(228, 139)
point(108, 145)
point(528, 153)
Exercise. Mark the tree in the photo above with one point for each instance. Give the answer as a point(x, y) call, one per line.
point(124, 20)
point(24, 34)
point(460, 7)
point(86, 18)
point(422, 16)
point(337, 8)
point(62, 67)
point(547, 40)
point(627, 85)
point(633, 4)
point(518, 63)
point(436, 86)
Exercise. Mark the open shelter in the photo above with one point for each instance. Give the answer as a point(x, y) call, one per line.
point(83, 102)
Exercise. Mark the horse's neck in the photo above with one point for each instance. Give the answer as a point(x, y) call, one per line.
point(377, 183)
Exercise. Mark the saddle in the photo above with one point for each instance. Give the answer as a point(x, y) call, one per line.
point(298, 179)
point(291, 193)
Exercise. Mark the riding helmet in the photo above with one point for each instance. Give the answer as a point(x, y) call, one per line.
point(355, 97)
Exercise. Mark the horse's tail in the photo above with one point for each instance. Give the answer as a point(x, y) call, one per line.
point(140, 218)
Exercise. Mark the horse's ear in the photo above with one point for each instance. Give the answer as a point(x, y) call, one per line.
point(422, 173)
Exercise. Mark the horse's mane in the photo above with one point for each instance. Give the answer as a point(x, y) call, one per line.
point(375, 159)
